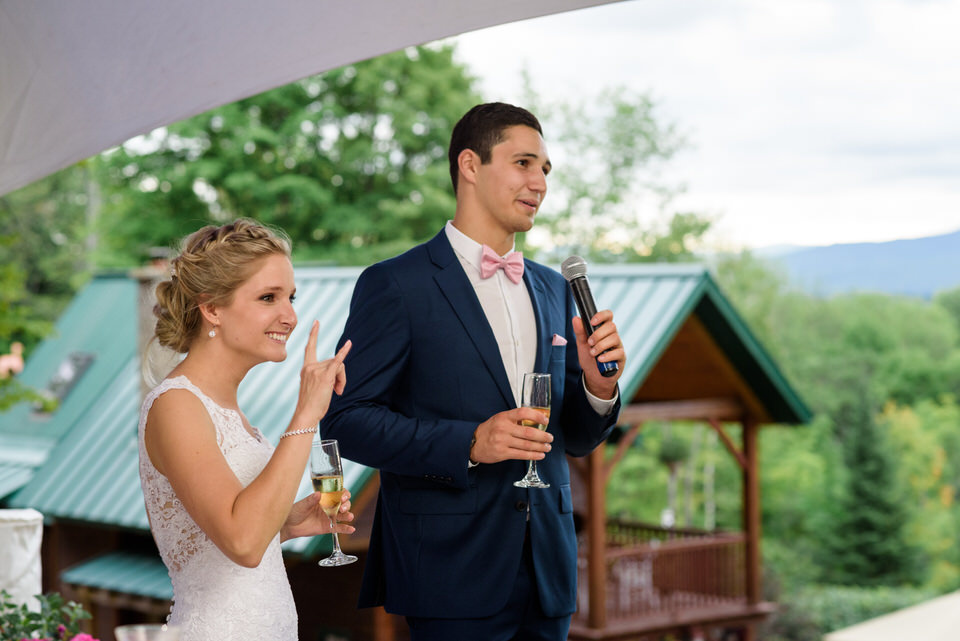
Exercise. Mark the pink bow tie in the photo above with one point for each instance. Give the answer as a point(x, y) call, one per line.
point(512, 265)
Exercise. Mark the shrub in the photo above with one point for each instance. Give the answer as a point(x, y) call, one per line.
point(56, 621)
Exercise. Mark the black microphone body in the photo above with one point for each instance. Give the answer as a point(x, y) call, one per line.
point(574, 269)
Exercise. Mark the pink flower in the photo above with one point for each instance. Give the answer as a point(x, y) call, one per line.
point(83, 636)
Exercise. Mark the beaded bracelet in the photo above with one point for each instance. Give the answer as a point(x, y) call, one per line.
point(306, 430)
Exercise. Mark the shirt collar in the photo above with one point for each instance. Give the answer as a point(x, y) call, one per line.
point(467, 248)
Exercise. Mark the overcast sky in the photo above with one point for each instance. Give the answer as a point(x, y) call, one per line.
point(811, 122)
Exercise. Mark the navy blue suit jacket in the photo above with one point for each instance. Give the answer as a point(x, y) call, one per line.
point(423, 372)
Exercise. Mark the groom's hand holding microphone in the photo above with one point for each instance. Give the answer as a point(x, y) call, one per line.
point(599, 347)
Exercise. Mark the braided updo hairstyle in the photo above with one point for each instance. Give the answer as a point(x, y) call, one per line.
point(212, 264)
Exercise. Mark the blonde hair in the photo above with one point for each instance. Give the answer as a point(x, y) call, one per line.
point(212, 264)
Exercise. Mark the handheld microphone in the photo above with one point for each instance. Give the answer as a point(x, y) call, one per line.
point(574, 269)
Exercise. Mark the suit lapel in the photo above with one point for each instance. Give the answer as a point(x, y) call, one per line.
point(458, 291)
point(538, 298)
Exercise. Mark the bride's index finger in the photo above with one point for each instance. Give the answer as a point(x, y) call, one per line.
point(343, 351)
point(310, 352)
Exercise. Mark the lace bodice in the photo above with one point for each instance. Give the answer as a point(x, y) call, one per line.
point(214, 598)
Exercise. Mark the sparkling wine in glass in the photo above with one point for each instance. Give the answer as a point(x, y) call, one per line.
point(535, 394)
point(326, 474)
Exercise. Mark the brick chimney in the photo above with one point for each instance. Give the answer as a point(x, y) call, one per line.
point(156, 270)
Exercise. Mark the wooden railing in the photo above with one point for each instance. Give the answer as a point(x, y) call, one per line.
point(654, 570)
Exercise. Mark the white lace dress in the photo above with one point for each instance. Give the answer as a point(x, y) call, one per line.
point(214, 598)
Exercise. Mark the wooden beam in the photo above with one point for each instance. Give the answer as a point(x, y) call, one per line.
point(728, 442)
point(655, 625)
point(597, 540)
point(580, 467)
point(112, 599)
point(751, 510)
point(702, 409)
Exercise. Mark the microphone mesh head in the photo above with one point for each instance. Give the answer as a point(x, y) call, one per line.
point(573, 267)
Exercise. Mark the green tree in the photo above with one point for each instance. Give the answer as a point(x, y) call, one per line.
point(908, 348)
point(673, 452)
point(866, 543)
point(350, 163)
point(949, 300)
point(758, 290)
point(44, 259)
point(17, 325)
point(800, 466)
point(41, 264)
point(847, 356)
point(45, 240)
point(928, 447)
point(608, 198)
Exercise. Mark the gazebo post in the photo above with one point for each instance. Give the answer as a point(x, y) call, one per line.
point(751, 515)
point(383, 629)
point(597, 539)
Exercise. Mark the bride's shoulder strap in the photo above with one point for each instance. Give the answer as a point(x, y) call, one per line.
point(167, 384)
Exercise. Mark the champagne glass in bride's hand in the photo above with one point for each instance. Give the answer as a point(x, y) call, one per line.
point(536, 395)
point(326, 474)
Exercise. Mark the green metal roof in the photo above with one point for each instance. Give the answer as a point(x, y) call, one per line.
point(100, 321)
point(652, 301)
point(96, 323)
point(125, 572)
point(749, 357)
point(92, 474)
point(13, 476)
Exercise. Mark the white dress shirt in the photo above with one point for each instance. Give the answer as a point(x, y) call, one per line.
point(507, 307)
point(509, 311)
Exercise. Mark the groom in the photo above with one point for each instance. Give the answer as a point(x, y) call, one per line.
point(442, 336)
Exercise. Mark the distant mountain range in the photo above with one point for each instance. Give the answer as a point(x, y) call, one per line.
point(918, 267)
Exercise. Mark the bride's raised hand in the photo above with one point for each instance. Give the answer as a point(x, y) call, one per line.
point(319, 379)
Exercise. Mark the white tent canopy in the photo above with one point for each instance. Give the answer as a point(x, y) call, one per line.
point(934, 620)
point(80, 76)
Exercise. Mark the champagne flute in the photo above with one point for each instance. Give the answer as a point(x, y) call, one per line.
point(535, 394)
point(326, 474)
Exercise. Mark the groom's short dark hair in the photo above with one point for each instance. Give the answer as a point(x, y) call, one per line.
point(481, 128)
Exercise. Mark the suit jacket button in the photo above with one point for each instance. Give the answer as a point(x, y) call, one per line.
point(520, 505)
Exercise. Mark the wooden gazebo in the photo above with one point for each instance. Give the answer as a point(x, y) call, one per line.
point(692, 359)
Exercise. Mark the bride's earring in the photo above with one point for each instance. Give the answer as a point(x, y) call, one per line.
point(212, 333)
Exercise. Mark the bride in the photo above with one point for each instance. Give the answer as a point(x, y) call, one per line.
point(219, 497)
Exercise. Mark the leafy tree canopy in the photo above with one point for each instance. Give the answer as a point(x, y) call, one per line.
point(609, 200)
point(44, 246)
point(350, 163)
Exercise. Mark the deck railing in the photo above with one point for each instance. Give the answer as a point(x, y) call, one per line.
point(654, 570)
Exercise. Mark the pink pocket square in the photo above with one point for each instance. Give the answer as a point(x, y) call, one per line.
point(558, 340)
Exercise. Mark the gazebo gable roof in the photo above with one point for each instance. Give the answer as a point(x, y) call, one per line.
point(685, 341)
